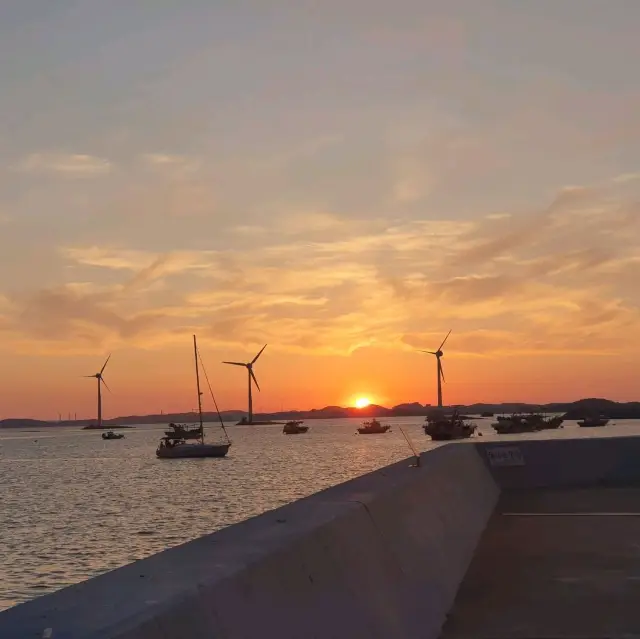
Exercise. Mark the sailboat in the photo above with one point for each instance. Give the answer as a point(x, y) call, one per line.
point(175, 446)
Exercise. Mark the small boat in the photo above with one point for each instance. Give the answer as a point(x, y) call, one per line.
point(111, 435)
point(294, 427)
point(593, 422)
point(172, 448)
point(374, 427)
point(175, 446)
point(182, 431)
point(442, 428)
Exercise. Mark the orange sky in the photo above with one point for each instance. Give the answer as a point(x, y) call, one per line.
point(421, 167)
point(145, 382)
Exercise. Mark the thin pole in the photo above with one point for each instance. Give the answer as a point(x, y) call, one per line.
point(195, 354)
point(413, 450)
point(99, 403)
point(439, 383)
point(250, 399)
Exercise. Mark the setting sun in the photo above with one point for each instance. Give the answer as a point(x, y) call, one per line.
point(362, 402)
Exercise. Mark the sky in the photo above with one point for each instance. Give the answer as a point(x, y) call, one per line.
point(345, 181)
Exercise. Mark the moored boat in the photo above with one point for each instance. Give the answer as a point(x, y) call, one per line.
point(183, 431)
point(517, 424)
point(442, 428)
point(111, 435)
point(174, 446)
point(551, 423)
point(294, 427)
point(374, 427)
point(593, 422)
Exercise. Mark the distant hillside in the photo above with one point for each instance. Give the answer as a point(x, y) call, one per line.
point(24, 423)
point(605, 407)
point(571, 410)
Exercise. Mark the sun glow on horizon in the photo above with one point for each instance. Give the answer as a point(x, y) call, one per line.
point(362, 402)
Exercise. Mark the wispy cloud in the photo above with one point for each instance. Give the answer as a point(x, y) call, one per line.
point(555, 280)
point(626, 177)
point(71, 165)
point(140, 260)
point(171, 165)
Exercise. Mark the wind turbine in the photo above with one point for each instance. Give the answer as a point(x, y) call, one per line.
point(101, 381)
point(441, 379)
point(252, 378)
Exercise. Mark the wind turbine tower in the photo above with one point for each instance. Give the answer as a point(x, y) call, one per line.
point(439, 354)
point(101, 381)
point(252, 380)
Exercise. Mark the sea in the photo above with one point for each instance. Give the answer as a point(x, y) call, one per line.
point(74, 506)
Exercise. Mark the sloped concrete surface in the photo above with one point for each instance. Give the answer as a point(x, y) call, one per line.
point(387, 555)
point(379, 556)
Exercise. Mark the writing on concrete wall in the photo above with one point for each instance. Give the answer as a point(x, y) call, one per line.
point(505, 456)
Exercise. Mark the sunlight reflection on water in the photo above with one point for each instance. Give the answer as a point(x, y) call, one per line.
point(74, 506)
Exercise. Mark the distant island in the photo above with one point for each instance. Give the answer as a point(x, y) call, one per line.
point(571, 410)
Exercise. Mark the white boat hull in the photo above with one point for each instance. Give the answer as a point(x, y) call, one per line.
point(180, 451)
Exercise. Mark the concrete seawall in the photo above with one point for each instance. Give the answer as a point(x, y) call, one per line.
point(563, 463)
point(384, 555)
point(379, 556)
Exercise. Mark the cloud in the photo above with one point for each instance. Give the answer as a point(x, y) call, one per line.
point(308, 222)
point(561, 279)
point(168, 165)
point(141, 261)
point(506, 234)
point(70, 165)
point(413, 180)
point(623, 178)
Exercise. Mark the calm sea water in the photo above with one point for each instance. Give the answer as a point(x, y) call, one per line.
point(74, 506)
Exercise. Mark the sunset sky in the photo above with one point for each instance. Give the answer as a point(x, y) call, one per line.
point(345, 180)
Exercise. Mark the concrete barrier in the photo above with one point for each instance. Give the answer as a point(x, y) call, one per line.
point(379, 556)
point(563, 463)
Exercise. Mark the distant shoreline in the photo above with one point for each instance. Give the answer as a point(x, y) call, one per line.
point(570, 410)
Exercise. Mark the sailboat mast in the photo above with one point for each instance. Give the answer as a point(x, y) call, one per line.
point(195, 354)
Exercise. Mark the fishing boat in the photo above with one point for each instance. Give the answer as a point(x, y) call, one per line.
point(531, 423)
point(294, 427)
point(111, 435)
point(374, 427)
point(176, 446)
point(551, 423)
point(517, 423)
point(442, 428)
point(593, 422)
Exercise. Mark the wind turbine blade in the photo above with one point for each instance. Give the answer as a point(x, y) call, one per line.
point(442, 373)
point(235, 363)
point(88, 376)
point(430, 352)
point(255, 359)
point(105, 384)
point(253, 377)
point(444, 340)
point(105, 364)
